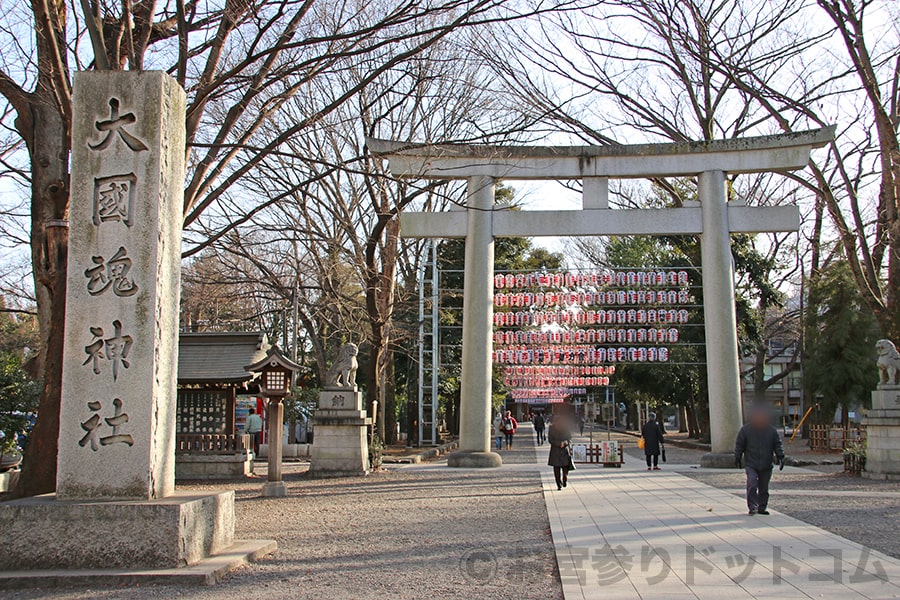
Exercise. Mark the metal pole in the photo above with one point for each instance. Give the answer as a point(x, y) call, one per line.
point(435, 339)
point(421, 340)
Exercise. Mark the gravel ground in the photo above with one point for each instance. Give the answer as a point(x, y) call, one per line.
point(400, 533)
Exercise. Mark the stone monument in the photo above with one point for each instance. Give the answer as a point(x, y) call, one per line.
point(116, 505)
point(341, 445)
point(883, 419)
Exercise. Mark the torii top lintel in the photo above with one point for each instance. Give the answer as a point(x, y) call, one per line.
point(783, 152)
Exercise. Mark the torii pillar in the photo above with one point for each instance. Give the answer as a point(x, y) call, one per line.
point(478, 313)
point(714, 219)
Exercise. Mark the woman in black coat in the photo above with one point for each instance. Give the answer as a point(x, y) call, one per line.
point(559, 436)
point(653, 441)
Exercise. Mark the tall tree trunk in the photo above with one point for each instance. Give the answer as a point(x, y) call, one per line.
point(49, 209)
point(373, 374)
point(759, 373)
point(390, 401)
point(380, 306)
point(691, 422)
point(892, 325)
point(702, 417)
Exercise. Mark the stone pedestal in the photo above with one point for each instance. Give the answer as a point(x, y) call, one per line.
point(467, 459)
point(177, 531)
point(717, 460)
point(883, 434)
point(341, 446)
point(199, 465)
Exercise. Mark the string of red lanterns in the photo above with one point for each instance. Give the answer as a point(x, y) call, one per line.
point(579, 355)
point(582, 298)
point(540, 382)
point(618, 278)
point(559, 371)
point(584, 355)
point(587, 336)
point(555, 392)
point(591, 317)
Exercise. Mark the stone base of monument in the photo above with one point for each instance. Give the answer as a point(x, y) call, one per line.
point(341, 447)
point(187, 537)
point(467, 459)
point(718, 460)
point(883, 434)
point(287, 450)
point(213, 466)
point(208, 571)
point(274, 489)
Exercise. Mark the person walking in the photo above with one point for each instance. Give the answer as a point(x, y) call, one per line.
point(509, 426)
point(654, 441)
point(539, 427)
point(559, 436)
point(757, 444)
point(581, 421)
point(254, 427)
point(498, 430)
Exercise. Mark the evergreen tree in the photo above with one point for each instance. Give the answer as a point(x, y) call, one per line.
point(839, 365)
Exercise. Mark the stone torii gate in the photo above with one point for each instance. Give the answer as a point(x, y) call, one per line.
point(713, 218)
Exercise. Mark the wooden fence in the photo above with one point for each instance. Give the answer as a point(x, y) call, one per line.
point(825, 438)
point(215, 443)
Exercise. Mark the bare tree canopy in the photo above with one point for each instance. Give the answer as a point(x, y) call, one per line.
point(241, 63)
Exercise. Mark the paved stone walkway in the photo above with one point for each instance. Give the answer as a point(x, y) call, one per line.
point(628, 533)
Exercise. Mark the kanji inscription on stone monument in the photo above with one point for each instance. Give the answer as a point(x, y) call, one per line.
point(114, 126)
point(113, 272)
point(114, 199)
point(94, 425)
point(113, 349)
point(118, 405)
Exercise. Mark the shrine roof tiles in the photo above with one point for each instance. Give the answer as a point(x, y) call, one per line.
point(219, 357)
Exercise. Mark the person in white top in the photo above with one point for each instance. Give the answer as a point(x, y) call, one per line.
point(254, 427)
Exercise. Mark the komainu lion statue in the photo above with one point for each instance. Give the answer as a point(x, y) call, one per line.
point(342, 373)
point(888, 361)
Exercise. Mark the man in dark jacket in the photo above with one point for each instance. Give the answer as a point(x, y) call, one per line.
point(652, 432)
point(757, 443)
point(539, 426)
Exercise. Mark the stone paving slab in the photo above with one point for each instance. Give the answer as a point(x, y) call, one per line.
point(636, 534)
